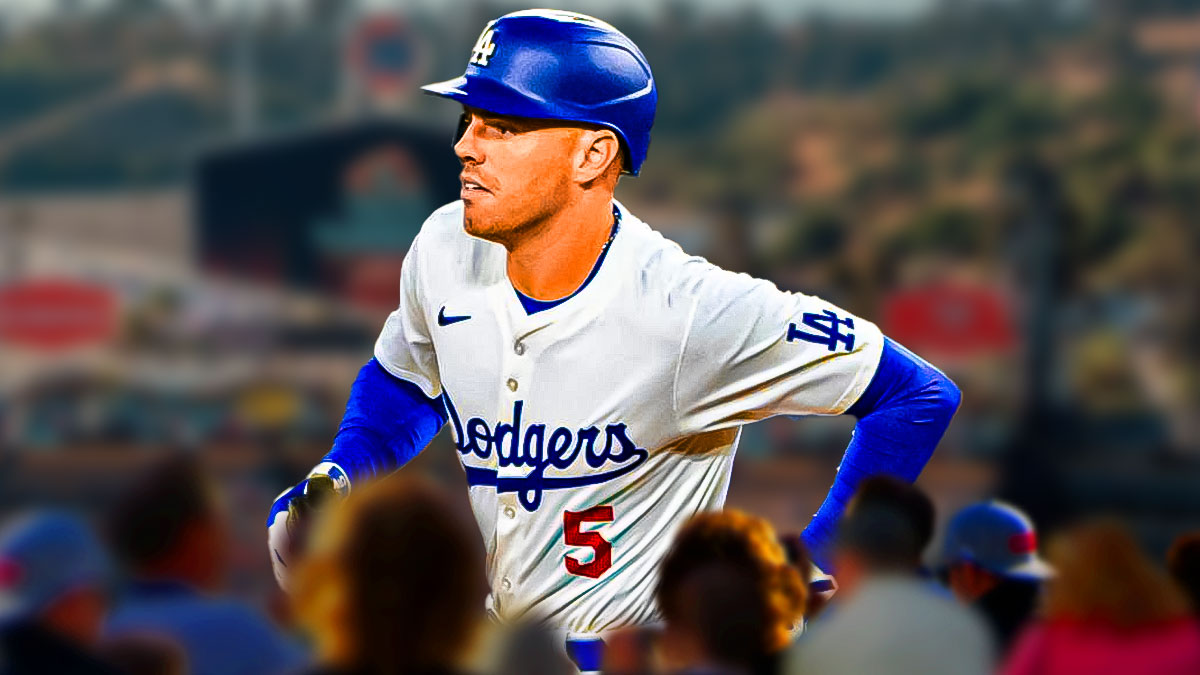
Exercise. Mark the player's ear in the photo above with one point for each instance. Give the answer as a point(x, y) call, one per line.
point(600, 150)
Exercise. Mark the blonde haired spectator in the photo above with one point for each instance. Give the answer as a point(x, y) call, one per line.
point(730, 598)
point(392, 582)
point(1109, 610)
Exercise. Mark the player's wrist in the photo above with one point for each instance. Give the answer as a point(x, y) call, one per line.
point(325, 484)
point(331, 470)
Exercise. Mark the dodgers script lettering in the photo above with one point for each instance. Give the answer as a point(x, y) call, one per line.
point(519, 445)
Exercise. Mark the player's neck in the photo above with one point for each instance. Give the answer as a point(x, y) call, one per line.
point(555, 259)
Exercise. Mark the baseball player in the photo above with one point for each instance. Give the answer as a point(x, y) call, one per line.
point(595, 376)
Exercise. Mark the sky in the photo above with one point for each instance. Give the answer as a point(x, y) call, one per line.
point(783, 9)
point(22, 10)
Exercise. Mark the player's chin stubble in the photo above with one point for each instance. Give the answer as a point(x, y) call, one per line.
point(501, 227)
point(505, 218)
point(481, 222)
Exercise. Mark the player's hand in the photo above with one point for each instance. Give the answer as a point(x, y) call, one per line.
point(302, 508)
point(820, 591)
point(291, 519)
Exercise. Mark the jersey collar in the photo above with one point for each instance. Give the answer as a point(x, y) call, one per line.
point(533, 306)
point(592, 294)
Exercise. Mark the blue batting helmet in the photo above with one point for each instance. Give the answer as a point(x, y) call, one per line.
point(549, 64)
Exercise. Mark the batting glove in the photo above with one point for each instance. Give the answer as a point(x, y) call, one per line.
point(293, 513)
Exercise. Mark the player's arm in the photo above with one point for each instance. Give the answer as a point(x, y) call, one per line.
point(395, 408)
point(901, 418)
point(387, 422)
point(751, 351)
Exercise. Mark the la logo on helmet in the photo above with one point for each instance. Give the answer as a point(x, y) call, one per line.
point(484, 47)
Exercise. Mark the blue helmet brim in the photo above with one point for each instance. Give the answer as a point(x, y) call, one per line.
point(500, 100)
point(455, 89)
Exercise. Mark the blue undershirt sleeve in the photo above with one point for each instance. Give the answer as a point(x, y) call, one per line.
point(388, 421)
point(901, 417)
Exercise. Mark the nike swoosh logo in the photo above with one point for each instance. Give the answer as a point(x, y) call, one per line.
point(444, 320)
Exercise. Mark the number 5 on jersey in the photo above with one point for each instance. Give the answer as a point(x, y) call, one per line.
point(602, 549)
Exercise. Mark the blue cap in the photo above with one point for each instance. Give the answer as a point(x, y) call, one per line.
point(998, 537)
point(549, 64)
point(44, 554)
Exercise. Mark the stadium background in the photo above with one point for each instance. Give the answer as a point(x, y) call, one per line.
point(203, 208)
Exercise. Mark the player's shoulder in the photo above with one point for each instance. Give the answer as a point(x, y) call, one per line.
point(443, 225)
point(683, 279)
point(658, 260)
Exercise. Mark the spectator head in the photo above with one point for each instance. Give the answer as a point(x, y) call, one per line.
point(54, 572)
point(169, 525)
point(886, 526)
point(901, 496)
point(1183, 561)
point(1102, 575)
point(987, 543)
point(393, 580)
point(728, 594)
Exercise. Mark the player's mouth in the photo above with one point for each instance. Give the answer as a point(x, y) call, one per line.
point(471, 188)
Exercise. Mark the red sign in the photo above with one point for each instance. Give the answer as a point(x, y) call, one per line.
point(56, 314)
point(951, 320)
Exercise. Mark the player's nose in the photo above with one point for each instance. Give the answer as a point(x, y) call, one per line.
point(466, 145)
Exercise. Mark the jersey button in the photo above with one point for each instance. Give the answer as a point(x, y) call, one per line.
point(510, 512)
point(505, 584)
point(519, 348)
point(512, 384)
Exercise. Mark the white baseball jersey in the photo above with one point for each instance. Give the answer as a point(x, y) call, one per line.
point(590, 431)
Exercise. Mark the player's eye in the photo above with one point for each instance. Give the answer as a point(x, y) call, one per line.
point(488, 127)
point(499, 128)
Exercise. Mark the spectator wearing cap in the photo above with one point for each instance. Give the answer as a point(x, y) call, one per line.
point(1108, 611)
point(170, 532)
point(887, 618)
point(1183, 561)
point(54, 576)
point(990, 561)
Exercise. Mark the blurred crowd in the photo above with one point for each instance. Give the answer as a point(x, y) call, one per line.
point(393, 582)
